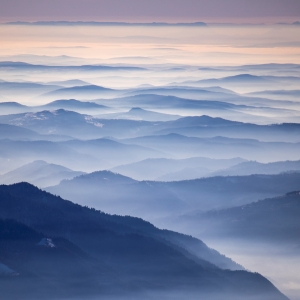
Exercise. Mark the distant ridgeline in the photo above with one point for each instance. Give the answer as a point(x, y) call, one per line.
point(80, 23)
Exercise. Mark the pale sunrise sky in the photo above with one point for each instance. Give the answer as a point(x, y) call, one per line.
point(238, 11)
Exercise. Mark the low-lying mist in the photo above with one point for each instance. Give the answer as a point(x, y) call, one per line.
point(104, 129)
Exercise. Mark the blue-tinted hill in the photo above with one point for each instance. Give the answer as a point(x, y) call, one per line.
point(273, 220)
point(44, 228)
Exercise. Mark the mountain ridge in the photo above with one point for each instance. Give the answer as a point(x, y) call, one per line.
point(58, 214)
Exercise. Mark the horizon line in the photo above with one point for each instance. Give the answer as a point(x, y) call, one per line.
point(113, 23)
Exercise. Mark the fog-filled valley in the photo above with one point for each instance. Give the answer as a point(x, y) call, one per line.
point(149, 167)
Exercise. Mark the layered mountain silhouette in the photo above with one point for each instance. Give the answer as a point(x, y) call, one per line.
point(84, 68)
point(17, 132)
point(70, 104)
point(69, 83)
point(120, 195)
point(137, 113)
point(115, 193)
point(12, 108)
point(172, 169)
point(231, 107)
point(15, 154)
point(211, 93)
point(273, 220)
point(111, 152)
point(70, 123)
point(206, 126)
point(73, 105)
point(64, 250)
point(81, 92)
point(153, 101)
point(58, 117)
point(247, 82)
point(26, 89)
point(189, 148)
point(39, 173)
point(253, 167)
point(82, 155)
point(181, 146)
point(278, 94)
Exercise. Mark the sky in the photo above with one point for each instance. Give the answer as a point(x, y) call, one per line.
point(211, 45)
point(236, 11)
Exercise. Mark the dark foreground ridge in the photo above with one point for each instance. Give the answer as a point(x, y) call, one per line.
point(56, 250)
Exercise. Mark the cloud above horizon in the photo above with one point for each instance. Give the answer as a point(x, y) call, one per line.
point(154, 10)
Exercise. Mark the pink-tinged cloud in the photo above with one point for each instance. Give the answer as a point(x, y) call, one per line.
point(150, 10)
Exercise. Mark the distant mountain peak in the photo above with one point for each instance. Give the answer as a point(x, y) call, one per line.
point(103, 176)
point(203, 117)
point(91, 87)
point(38, 163)
point(12, 104)
point(16, 63)
point(136, 109)
point(203, 121)
point(174, 136)
point(65, 101)
point(244, 76)
point(73, 103)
